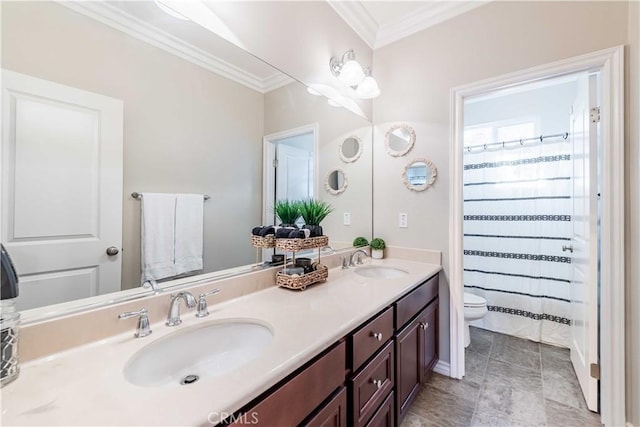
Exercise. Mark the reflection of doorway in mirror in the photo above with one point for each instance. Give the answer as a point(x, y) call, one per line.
point(290, 167)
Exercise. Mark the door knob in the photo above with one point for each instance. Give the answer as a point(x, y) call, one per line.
point(566, 248)
point(112, 250)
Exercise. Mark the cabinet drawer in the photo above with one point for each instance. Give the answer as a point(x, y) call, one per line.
point(372, 385)
point(296, 399)
point(372, 336)
point(332, 413)
point(384, 415)
point(410, 305)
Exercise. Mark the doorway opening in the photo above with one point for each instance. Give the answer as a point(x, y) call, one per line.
point(510, 256)
point(530, 201)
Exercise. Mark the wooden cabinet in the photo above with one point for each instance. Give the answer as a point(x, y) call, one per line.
point(331, 414)
point(292, 402)
point(370, 338)
point(384, 416)
point(371, 386)
point(369, 378)
point(416, 343)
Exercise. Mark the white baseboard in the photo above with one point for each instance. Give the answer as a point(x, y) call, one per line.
point(443, 368)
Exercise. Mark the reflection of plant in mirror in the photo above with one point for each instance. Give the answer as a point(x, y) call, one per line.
point(288, 211)
point(359, 242)
point(314, 211)
point(377, 244)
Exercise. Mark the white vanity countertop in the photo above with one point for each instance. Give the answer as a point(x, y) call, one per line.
point(86, 386)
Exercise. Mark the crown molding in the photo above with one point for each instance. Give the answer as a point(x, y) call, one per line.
point(432, 13)
point(276, 81)
point(358, 18)
point(139, 29)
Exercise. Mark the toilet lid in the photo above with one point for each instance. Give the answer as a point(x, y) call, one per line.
point(471, 300)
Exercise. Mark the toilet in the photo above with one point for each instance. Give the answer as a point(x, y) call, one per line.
point(475, 308)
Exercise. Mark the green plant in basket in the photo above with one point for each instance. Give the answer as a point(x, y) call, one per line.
point(359, 242)
point(314, 212)
point(288, 211)
point(377, 246)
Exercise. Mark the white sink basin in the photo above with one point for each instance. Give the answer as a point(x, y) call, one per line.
point(380, 272)
point(205, 351)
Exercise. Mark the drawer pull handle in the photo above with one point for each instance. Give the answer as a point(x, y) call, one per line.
point(424, 325)
point(377, 335)
point(377, 383)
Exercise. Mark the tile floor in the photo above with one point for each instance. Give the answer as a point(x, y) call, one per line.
point(509, 382)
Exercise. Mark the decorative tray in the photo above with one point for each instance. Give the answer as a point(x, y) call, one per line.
point(301, 282)
point(294, 245)
point(263, 242)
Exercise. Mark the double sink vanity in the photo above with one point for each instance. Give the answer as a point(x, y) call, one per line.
point(351, 351)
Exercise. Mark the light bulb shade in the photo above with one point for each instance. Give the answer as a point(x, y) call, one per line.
point(368, 88)
point(351, 73)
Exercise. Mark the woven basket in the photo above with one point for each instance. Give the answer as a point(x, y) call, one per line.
point(301, 282)
point(294, 245)
point(263, 242)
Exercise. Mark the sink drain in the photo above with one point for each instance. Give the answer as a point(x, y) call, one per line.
point(189, 379)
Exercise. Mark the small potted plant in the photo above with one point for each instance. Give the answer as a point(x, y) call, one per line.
point(377, 248)
point(313, 212)
point(288, 211)
point(359, 242)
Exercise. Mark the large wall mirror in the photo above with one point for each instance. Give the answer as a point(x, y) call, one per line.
point(187, 128)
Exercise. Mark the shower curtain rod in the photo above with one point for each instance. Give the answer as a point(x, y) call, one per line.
point(521, 141)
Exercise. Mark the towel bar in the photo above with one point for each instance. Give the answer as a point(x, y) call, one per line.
point(138, 196)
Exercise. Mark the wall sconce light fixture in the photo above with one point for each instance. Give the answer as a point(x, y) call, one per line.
point(351, 73)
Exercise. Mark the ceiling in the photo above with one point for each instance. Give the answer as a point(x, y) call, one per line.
point(380, 23)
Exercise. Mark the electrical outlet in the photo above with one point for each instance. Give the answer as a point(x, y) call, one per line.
point(346, 218)
point(403, 220)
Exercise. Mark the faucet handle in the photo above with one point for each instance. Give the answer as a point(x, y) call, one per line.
point(203, 310)
point(143, 328)
point(345, 262)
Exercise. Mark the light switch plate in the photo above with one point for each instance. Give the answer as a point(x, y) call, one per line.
point(346, 218)
point(403, 220)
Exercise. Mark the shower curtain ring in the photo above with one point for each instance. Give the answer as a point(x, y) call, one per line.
point(485, 146)
point(468, 149)
point(502, 144)
point(521, 142)
point(565, 136)
point(541, 138)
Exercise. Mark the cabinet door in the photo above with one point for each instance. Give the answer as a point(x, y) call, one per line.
point(384, 416)
point(430, 337)
point(409, 365)
point(290, 404)
point(332, 414)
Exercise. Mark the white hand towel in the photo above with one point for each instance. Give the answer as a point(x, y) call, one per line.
point(158, 231)
point(189, 232)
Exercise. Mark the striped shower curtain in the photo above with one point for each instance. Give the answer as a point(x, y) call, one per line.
point(517, 216)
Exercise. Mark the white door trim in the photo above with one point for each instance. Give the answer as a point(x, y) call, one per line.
point(269, 154)
point(612, 328)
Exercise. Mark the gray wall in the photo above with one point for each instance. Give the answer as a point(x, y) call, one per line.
point(185, 128)
point(416, 75)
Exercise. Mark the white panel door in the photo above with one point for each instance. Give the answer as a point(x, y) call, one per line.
point(584, 290)
point(61, 202)
point(294, 173)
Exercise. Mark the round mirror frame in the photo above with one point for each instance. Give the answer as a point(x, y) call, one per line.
point(411, 143)
point(430, 180)
point(358, 153)
point(340, 190)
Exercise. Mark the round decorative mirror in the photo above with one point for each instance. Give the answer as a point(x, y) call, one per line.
point(400, 140)
point(351, 149)
point(336, 181)
point(419, 174)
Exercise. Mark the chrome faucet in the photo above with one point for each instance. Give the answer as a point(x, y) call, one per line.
point(173, 318)
point(357, 255)
point(143, 329)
